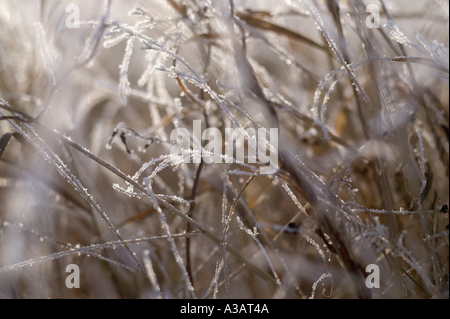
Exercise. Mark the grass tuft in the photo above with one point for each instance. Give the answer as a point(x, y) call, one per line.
point(88, 176)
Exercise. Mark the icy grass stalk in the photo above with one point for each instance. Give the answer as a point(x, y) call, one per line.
point(75, 251)
point(173, 246)
point(253, 234)
point(314, 287)
point(151, 273)
point(87, 250)
point(124, 83)
point(226, 219)
point(226, 181)
point(93, 42)
point(436, 51)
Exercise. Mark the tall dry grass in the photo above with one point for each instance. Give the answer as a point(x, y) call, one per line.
point(87, 178)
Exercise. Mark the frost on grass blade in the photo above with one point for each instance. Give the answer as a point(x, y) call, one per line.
point(115, 41)
point(124, 83)
point(173, 246)
point(314, 287)
point(253, 234)
point(397, 35)
point(151, 273)
point(437, 51)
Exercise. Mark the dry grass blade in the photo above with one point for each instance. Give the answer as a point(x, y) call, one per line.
point(269, 26)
